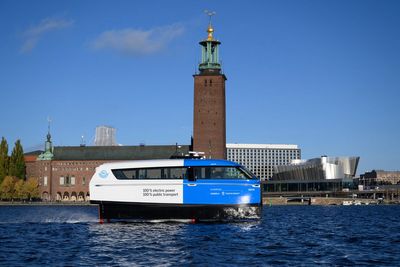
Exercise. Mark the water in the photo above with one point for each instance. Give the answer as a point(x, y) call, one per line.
point(285, 235)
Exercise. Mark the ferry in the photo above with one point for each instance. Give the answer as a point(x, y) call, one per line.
point(183, 189)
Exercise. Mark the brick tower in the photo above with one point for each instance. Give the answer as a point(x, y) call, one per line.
point(209, 121)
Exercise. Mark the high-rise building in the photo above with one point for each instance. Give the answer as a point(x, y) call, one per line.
point(209, 125)
point(261, 159)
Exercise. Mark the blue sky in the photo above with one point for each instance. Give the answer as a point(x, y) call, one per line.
point(321, 74)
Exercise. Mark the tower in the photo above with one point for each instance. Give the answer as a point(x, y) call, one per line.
point(48, 146)
point(209, 118)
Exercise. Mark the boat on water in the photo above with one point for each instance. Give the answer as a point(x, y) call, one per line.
point(188, 189)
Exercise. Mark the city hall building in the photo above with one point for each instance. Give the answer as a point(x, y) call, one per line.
point(64, 172)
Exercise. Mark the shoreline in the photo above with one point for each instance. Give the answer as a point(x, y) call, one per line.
point(266, 201)
point(48, 203)
point(324, 201)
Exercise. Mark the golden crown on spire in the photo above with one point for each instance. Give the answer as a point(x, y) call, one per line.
point(210, 31)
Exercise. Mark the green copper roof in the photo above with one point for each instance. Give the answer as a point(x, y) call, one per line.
point(48, 146)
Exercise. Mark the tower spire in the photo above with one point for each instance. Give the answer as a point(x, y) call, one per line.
point(210, 29)
point(209, 50)
point(48, 145)
point(48, 129)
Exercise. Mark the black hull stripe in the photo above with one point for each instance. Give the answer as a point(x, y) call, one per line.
point(127, 211)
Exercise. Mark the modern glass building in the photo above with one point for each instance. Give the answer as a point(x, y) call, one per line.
point(318, 174)
point(262, 159)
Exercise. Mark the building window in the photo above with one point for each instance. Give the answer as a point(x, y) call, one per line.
point(84, 180)
point(45, 181)
point(67, 180)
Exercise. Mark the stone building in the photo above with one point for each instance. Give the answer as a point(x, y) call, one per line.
point(380, 177)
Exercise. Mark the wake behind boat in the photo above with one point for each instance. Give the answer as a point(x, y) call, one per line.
point(188, 189)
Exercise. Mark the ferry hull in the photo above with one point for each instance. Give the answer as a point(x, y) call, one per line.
point(123, 211)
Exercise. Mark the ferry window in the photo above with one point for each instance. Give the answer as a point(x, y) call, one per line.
point(220, 173)
point(201, 173)
point(126, 173)
point(150, 173)
point(174, 173)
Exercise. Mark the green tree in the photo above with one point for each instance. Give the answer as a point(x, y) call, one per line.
point(31, 188)
point(3, 159)
point(17, 161)
point(7, 188)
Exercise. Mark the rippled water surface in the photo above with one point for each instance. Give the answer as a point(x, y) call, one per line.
point(285, 235)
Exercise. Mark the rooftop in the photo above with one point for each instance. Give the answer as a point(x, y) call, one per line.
point(262, 146)
point(117, 152)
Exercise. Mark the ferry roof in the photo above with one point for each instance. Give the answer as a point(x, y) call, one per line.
point(168, 163)
point(209, 162)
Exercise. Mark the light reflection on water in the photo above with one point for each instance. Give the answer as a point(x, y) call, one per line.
point(291, 235)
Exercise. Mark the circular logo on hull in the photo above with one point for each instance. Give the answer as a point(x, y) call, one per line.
point(103, 174)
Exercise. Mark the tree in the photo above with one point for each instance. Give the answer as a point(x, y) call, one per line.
point(17, 161)
point(7, 188)
point(3, 159)
point(31, 188)
point(19, 190)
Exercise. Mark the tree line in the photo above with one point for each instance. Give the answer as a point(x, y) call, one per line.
point(13, 181)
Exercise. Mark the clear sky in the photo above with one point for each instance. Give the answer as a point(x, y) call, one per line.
point(324, 75)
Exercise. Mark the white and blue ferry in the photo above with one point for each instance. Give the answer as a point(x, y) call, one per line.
point(192, 189)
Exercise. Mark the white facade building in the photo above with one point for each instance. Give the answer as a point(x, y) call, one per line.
point(262, 159)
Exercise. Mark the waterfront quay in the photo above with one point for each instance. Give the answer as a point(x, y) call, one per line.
point(387, 194)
